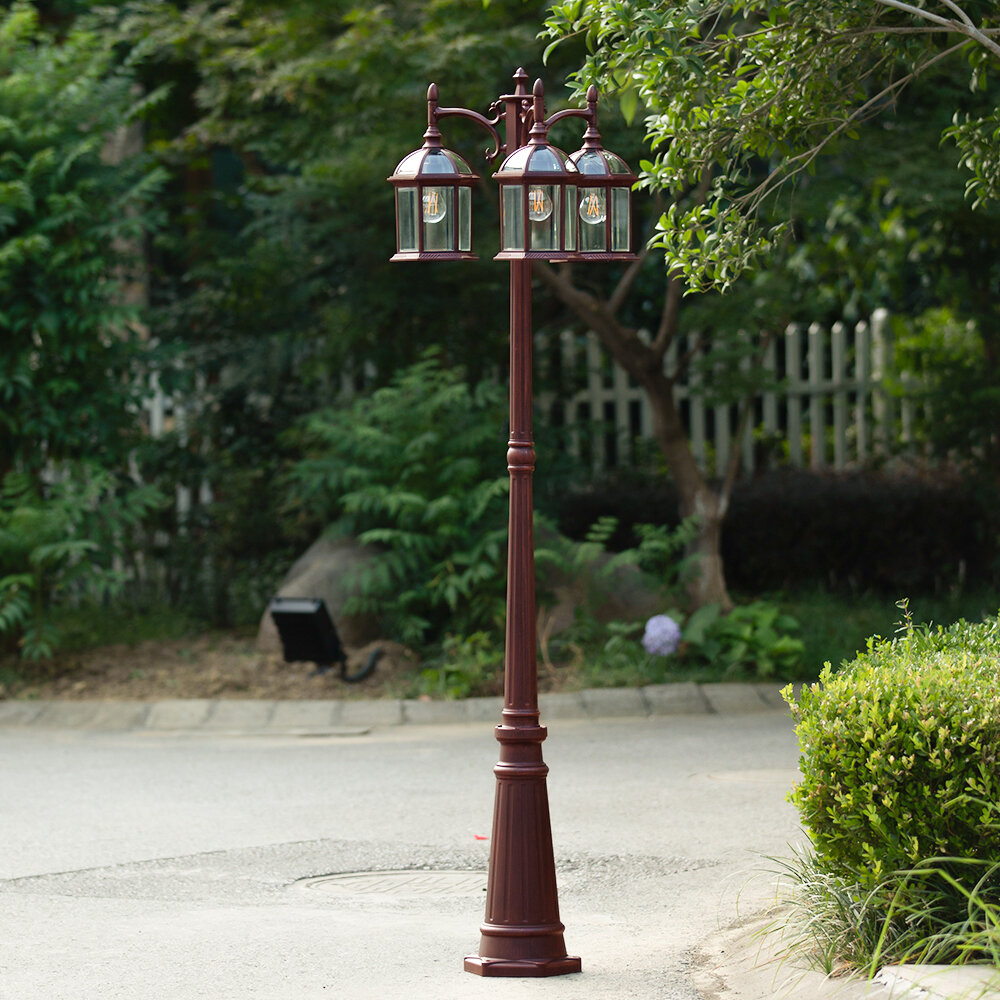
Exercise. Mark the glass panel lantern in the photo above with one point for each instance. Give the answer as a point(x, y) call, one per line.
point(604, 204)
point(433, 205)
point(537, 195)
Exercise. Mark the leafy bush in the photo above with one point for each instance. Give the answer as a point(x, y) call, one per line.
point(468, 665)
point(416, 471)
point(66, 216)
point(55, 541)
point(751, 640)
point(899, 797)
point(901, 752)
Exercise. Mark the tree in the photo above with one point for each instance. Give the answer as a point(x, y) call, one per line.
point(742, 96)
point(732, 84)
point(69, 341)
point(71, 347)
point(272, 286)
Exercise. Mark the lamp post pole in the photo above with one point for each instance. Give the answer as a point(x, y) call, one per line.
point(521, 934)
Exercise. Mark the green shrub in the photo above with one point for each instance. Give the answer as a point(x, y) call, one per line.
point(468, 665)
point(58, 541)
point(899, 798)
point(68, 219)
point(899, 753)
point(753, 640)
point(416, 470)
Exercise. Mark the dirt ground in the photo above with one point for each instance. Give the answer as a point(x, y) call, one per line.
point(222, 665)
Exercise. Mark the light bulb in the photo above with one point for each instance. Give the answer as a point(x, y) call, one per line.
point(435, 206)
point(594, 207)
point(539, 204)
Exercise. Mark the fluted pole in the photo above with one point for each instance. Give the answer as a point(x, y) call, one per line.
point(521, 934)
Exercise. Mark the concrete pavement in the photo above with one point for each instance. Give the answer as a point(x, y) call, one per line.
point(310, 849)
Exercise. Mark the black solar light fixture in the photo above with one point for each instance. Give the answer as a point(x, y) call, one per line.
point(308, 635)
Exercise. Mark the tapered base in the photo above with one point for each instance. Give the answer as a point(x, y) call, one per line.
point(524, 968)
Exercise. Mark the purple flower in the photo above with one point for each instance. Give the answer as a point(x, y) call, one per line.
point(662, 635)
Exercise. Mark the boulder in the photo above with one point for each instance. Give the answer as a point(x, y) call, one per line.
point(325, 570)
point(621, 594)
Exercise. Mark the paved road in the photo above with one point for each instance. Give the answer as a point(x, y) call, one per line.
point(168, 866)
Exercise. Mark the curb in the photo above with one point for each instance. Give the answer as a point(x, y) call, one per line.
point(330, 716)
point(746, 961)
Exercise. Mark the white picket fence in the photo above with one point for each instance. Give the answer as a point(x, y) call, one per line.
point(832, 408)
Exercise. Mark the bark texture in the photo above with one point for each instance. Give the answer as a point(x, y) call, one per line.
point(644, 362)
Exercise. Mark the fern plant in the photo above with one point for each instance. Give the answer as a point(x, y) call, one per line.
point(415, 470)
point(57, 541)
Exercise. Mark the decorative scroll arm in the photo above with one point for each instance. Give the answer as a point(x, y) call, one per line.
point(435, 114)
point(588, 114)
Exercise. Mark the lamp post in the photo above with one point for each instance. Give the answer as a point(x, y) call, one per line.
point(558, 208)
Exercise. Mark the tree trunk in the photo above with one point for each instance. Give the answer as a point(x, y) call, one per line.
point(644, 362)
point(707, 584)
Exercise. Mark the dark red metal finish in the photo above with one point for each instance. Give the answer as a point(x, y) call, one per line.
point(521, 934)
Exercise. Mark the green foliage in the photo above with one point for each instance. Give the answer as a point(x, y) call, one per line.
point(899, 798)
point(287, 119)
point(933, 913)
point(729, 85)
point(58, 543)
point(948, 359)
point(899, 753)
point(661, 553)
point(468, 666)
point(976, 138)
point(414, 470)
point(65, 214)
point(753, 640)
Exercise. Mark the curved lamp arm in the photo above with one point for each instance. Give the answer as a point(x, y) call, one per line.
point(435, 113)
point(588, 114)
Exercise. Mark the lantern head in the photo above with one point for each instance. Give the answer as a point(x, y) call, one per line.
point(433, 204)
point(604, 205)
point(537, 194)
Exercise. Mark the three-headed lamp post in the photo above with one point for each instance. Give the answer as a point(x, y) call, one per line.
point(553, 207)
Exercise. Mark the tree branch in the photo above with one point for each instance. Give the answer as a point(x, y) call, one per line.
point(626, 281)
point(964, 27)
point(952, 6)
point(917, 12)
point(753, 198)
point(667, 329)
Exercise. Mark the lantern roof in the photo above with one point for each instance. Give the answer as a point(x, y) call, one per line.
point(600, 162)
point(432, 161)
point(538, 159)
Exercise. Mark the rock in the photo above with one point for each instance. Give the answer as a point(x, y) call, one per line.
point(324, 570)
point(622, 594)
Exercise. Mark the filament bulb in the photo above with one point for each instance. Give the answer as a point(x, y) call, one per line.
point(434, 205)
point(594, 207)
point(539, 204)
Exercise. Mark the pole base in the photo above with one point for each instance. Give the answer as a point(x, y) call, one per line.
point(523, 967)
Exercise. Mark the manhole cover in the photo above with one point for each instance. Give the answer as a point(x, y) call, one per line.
point(400, 883)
